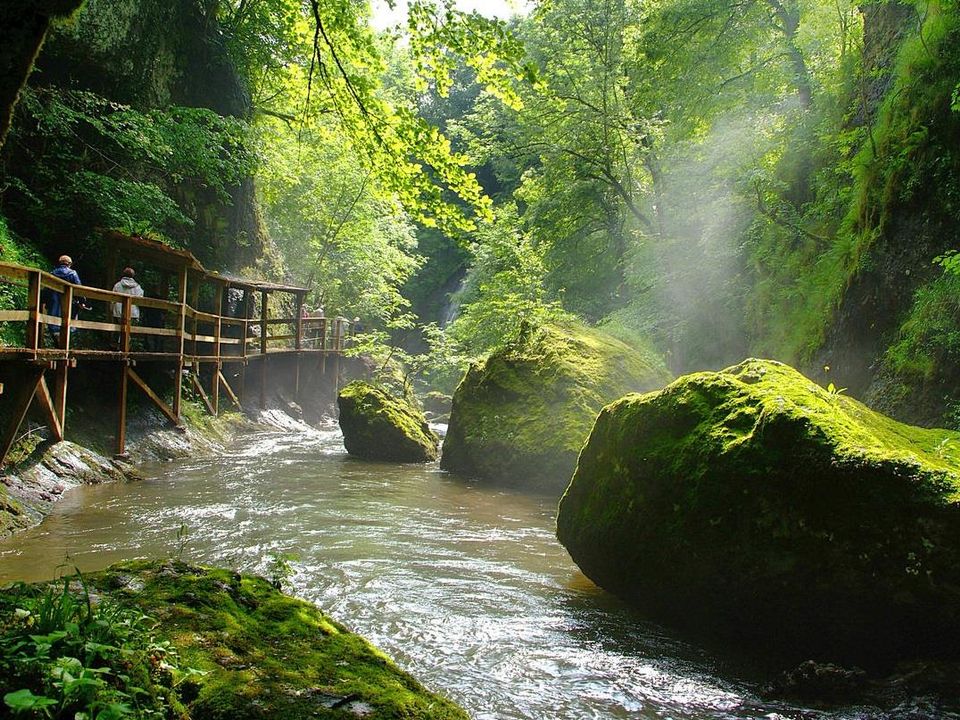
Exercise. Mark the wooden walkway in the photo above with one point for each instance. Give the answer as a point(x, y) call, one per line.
point(243, 329)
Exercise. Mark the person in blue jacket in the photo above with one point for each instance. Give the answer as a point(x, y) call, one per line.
point(64, 270)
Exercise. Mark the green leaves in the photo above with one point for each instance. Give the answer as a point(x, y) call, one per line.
point(114, 166)
point(73, 658)
point(24, 701)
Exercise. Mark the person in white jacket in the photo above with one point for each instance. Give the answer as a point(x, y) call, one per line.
point(129, 286)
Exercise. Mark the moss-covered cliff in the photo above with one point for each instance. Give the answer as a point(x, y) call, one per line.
point(522, 415)
point(753, 504)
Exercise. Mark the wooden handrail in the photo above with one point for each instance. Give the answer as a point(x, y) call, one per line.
point(323, 333)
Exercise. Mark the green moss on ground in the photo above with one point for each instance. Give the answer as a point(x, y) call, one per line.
point(523, 414)
point(262, 654)
point(754, 504)
point(378, 426)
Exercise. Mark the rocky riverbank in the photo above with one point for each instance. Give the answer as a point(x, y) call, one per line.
point(29, 491)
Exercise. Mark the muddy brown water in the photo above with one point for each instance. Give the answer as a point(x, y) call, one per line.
point(464, 585)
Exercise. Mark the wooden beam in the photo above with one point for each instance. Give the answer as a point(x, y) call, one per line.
point(215, 387)
point(60, 393)
point(164, 408)
point(122, 411)
point(194, 301)
point(226, 386)
point(49, 409)
point(127, 321)
point(203, 393)
point(21, 404)
point(34, 334)
point(181, 327)
point(298, 343)
point(66, 317)
point(264, 300)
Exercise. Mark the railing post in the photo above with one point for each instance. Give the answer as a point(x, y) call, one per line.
point(34, 334)
point(263, 348)
point(127, 321)
point(323, 333)
point(298, 341)
point(264, 299)
point(181, 329)
point(66, 317)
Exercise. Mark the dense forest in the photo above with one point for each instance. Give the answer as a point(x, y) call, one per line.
point(615, 362)
point(714, 179)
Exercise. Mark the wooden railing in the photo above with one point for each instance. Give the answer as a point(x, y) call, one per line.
point(166, 328)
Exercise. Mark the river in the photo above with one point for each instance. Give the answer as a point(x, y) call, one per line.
point(464, 585)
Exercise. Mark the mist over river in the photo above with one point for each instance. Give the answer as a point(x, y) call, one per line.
point(464, 585)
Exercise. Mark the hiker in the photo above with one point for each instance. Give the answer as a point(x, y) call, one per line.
point(52, 299)
point(128, 286)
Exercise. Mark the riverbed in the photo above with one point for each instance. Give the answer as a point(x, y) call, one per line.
point(465, 586)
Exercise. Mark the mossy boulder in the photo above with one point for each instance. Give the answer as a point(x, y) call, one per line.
point(260, 654)
point(377, 426)
point(522, 415)
point(755, 505)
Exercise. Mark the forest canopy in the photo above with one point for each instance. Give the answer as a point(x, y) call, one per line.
point(715, 177)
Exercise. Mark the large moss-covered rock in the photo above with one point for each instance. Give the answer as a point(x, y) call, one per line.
point(757, 505)
point(522, 415)
point(260, 654)
point(377, 426)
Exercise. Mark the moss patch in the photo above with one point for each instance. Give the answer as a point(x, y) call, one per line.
point(264, 654)
point(378, 426)
point(757, 505)
point(524, 413)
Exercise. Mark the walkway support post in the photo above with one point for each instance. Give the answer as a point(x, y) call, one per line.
point(264, 300)
point(122, 399)
point(218, 363)
point(181, 330)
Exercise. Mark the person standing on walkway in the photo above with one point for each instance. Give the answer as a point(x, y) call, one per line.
point(52, 299)
point(128, 286)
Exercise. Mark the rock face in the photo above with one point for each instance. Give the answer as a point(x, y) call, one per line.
point(522, 416)
point(753, 504)
point(28, 494)
point(258, 654)
point(377, 426)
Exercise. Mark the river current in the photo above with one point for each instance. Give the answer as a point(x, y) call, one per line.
point(465, 586)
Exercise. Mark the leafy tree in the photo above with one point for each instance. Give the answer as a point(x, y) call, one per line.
point(79, 159)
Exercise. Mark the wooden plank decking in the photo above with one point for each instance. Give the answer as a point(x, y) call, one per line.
point(178, 334)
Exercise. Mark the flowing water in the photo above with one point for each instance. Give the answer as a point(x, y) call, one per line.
point(464, 585)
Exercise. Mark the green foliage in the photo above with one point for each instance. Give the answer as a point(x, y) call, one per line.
point(505, 287)
point(928, 340)
point(75, 656)
point(350, 244)
point(322, 58)
point(281, 568)
point(13, 297)
point(89, 161)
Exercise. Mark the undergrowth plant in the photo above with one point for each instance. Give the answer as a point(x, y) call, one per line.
point(65, 653)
